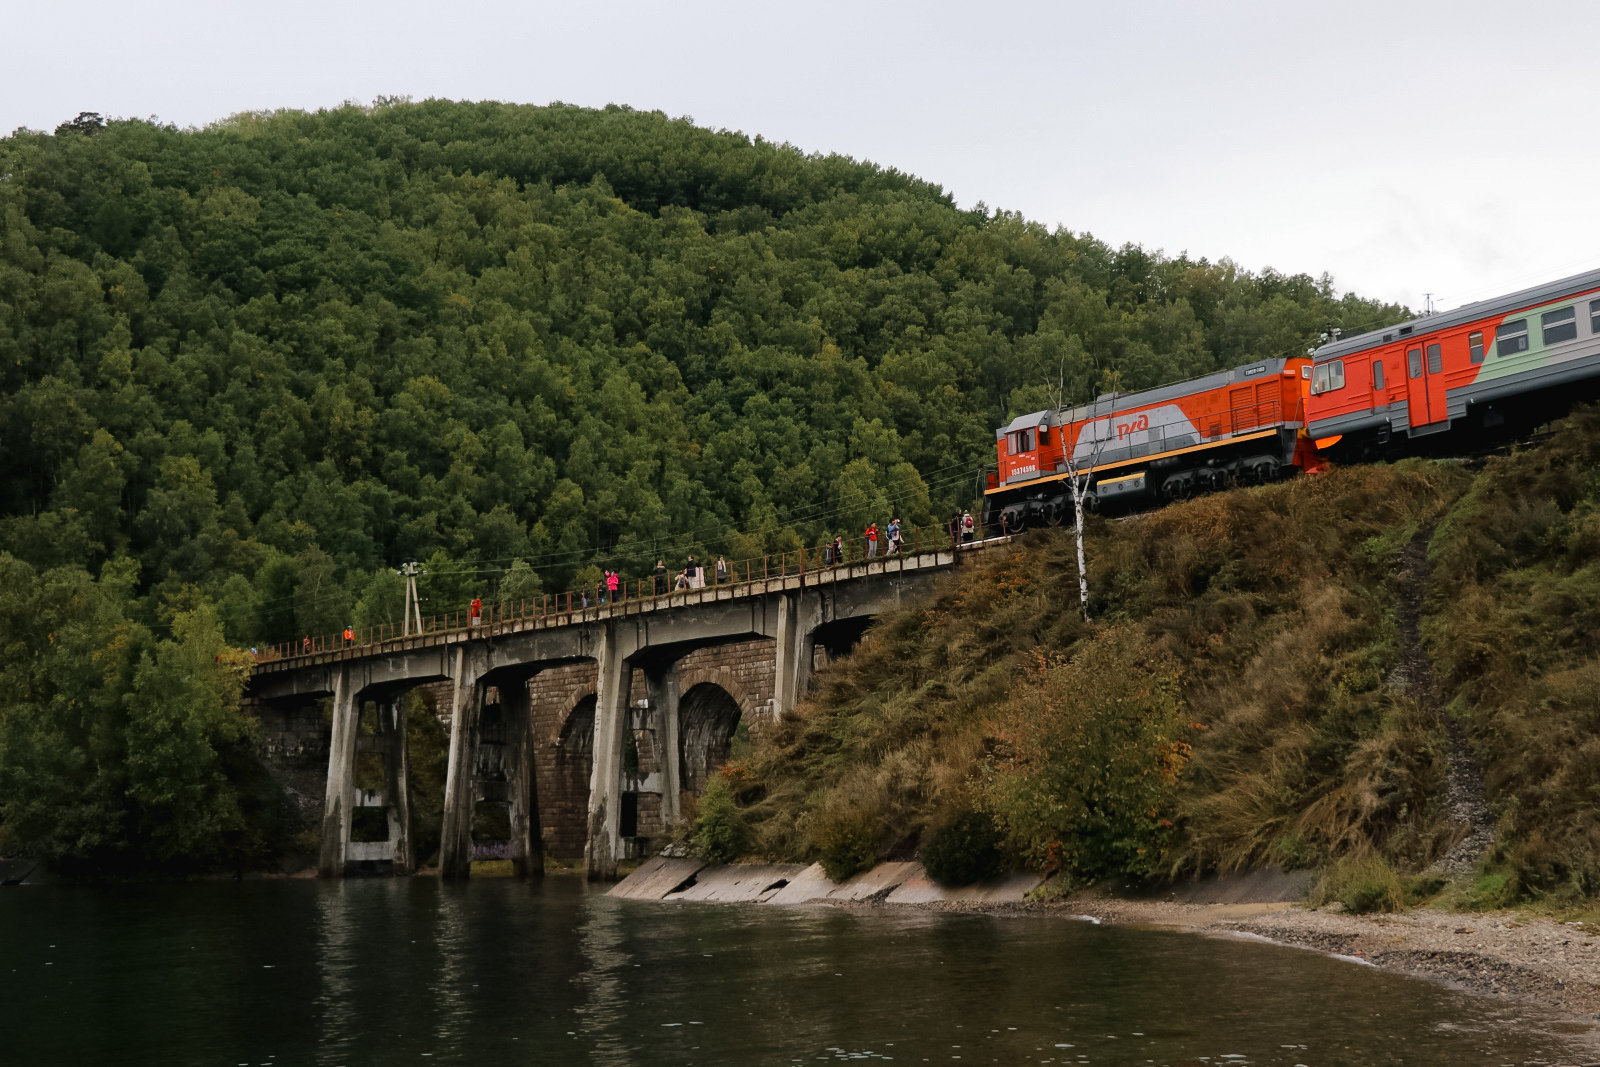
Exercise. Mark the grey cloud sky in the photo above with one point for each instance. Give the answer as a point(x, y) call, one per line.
point(1404, 147)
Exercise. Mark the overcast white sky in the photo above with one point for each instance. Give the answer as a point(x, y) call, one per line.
point(1404, 147)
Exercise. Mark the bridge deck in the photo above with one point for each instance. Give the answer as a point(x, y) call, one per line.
point(497, 620)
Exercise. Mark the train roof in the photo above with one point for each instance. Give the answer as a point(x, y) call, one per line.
point(1482, 309)
point(1110, 403)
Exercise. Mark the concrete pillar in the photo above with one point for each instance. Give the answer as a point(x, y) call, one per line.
point(792, 671)
point(455, 846)
point(527, 843)
point(663, 691)
point(605, 779)
point(336, 813)
point(392, 726)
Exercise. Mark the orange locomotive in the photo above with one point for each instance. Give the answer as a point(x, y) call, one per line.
point(1239, 426)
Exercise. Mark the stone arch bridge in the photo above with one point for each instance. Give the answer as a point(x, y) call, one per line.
point(588, 730)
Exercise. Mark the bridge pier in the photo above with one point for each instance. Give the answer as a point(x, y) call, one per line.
point(527, 843)
point(336, 811)
point(392, 734)
point(612, 687)
point(796, 647)
point(455, 844)
point(662, 689)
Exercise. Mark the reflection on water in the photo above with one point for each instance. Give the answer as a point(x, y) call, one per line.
point(380, 972)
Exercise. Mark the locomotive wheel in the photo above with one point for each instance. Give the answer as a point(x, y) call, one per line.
point(1055, 514)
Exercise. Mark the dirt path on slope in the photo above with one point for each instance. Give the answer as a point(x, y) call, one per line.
point(1464, 795)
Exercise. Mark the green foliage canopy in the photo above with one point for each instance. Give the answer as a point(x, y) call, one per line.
point(270, 358)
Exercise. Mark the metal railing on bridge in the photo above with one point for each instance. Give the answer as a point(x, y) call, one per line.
point(643, 593)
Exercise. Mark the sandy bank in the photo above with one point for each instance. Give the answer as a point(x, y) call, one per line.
point(1497, 953)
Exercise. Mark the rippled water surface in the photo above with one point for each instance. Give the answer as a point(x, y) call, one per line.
point(409, 971)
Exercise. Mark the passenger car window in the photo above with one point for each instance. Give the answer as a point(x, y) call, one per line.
point(1475, 345)
point(1414, 362)
point(1377, 374)
point(1560, 325)
point(1594, 316)
point(1435, 360)
point(1513, 338)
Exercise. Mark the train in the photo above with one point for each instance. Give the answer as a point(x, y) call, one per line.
point(1452, 382)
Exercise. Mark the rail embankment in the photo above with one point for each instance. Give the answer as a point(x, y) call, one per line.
point(1244, 694)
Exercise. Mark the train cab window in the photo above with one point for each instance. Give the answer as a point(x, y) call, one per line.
point(1044, 436)
point(1377, 374)
point(1414, 362)
point(1559, 325)
point(1328, 377)
point(1475, 345)
point(1594, 316)
point(1513, 338)
point(1019, 442)
point(1435, 360)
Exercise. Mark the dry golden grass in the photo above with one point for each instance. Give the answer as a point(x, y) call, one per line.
point(1277, 603)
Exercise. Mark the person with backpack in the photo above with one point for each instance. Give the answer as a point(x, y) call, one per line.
point(967, 527)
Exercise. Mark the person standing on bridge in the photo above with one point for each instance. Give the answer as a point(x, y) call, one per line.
point(967, 526)
point(660, 576)
point(477, 610)
point(613, 583)
point(349, 635)
point(894, 537)
point(872, 540)
point(722, 570)
point(697, 576)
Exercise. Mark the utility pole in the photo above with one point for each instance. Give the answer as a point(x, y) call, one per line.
point(413, 608)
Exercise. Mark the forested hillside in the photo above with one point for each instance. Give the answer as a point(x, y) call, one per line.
point(247, 370)
point(270, 359)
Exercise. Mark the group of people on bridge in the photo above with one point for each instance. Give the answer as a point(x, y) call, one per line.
point(612, 588)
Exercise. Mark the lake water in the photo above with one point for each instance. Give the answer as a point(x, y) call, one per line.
point(500, 972)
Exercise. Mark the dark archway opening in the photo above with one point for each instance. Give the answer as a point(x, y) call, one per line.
point(568, 808)
point(708, 718)
point(491, 815)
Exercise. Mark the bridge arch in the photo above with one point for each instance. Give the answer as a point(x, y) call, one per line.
point(708, 717)
point(566, 813)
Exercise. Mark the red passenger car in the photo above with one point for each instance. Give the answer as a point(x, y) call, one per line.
point(1462, 378)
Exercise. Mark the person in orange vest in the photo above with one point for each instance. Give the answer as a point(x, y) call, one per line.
point(349, 636)
point(872, 540)
point(477, 610)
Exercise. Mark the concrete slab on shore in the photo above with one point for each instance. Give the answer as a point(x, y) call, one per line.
point(1007, 888)
point(21, 872)
point(741, 882)
point(813, 885)
point(656, 877)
